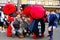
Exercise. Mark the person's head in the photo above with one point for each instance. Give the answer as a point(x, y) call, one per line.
point(23, 17)
point(47, 12)
point(53, 12)
point(26, 19)
point(18, 15)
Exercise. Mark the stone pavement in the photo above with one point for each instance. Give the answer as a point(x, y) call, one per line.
point(56, 36)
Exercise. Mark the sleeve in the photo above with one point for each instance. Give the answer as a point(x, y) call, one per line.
point(12, 26)
point(2, 15)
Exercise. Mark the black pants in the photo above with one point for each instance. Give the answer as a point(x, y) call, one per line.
point(42, 26)
point(36, 30)
point(1, 24)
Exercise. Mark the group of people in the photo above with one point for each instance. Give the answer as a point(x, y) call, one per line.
point(18, 25)
point(21, 25)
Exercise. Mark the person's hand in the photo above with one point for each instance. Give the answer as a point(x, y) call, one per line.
point(13, 29)
point(4, 23)
point(25, 30)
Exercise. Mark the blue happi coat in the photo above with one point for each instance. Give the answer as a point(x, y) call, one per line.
point(52, 18)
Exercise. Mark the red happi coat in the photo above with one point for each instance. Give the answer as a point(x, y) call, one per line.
point(9, 28)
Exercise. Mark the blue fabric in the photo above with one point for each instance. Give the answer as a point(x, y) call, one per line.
point(25, 25)
point(19, 31)
point(1, 20)
point(52, 19)
point(32, 25)
point(57, 15)
point(55, 25)
point(48, 18)
point(16, 26)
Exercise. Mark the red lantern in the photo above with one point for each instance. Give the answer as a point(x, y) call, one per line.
point(26, 10)
point(9, 9)
point(37, 12)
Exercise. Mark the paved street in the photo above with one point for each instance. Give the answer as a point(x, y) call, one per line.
point(56, 36)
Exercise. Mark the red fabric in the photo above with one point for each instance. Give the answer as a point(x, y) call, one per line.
point(9, 33)
point(31, 19)
point(37, 12)
point(10, 19)
point(44, 19)
point(19, 27)
point(17, 13)
point(34, 36)
point(43, 35)
point(9, 9)
point(26, 10)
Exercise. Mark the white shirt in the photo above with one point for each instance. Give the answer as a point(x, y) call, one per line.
point(2, 14)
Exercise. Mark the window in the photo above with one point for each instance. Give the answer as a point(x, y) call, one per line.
point(41, 2)
point(3, 1)
point(15, 1)
point(31, 2)
point(50, 2)
point(57, 2)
